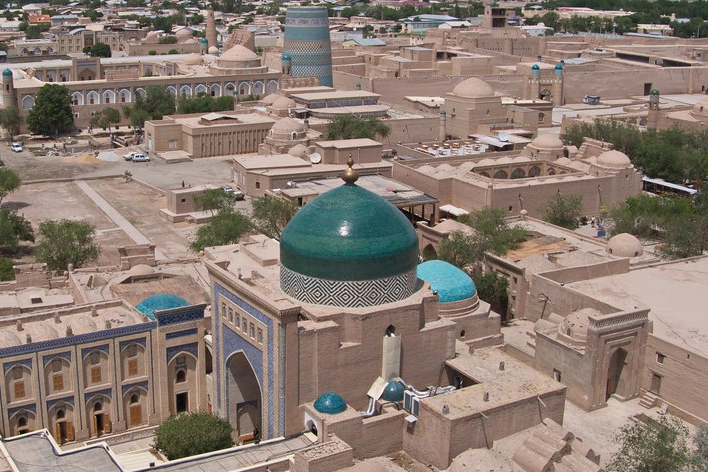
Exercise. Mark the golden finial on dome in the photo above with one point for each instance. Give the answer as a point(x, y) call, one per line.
point(350, 176)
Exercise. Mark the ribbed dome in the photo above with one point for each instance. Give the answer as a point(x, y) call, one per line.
point(288, 126)
point(349, 234)
point(473, 88)
point(625, 245)
point(547, 141)
point(330, 403)
point(450, 283)
point(614, 159)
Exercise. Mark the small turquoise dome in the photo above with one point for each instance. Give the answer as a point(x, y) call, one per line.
point(7, 73)
point(559, 67)
point(535, 67)
point(450, 283)
point(330, 403)
point(286, 57)
point(160, 301)
point(653, 91)
point(349, 234)
point(393, 391)
point(204, 41)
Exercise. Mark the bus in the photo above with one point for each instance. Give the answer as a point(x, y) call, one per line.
point(662, 187)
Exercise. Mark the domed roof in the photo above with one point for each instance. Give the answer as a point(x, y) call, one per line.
point(299, 150)
point(160, 301)
point(184, 33)
point(625, 245)
point(190, 41)
point(473, 88)
point(286, 57)
point(613, 159)
point(9, 339)
point(702, 106)
point(349, 234)
point(283, 103)
point(7, 73)
point(654, 92)
point(575, 325)
point(82, 324)
point(202, 41)
point(239, 53)
point(213, 50)
point(559, 66)
point(547, 141)
point(450, 283)
point(192, 59)
point(43, 332)
point(393, 392)
point(288, 126)
point(535, 67)
point(330, 403)
point(141, 269)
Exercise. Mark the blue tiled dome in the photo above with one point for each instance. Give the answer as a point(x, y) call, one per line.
point(393, 391)
point(535, 67)
point(7, 73)
point(450, 283)
point(204, 41)
point(349, 233)
point(160, 301)
point(559, 67)
point(330, 403)
point(286, 57)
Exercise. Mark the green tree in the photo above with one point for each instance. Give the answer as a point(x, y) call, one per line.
point(51, 113)
point(14, 229)
point(226, 227)
point(11, 120)
point(271, 215)
point(700, 439)
point(100, 50)
point(563, 210)
point(492, 233)
point(658, 446)
point(493, 289)
point(353, 127)
point(105, 118)
point(168, 40)
point(33, 32)
point(458, 249)
point(153, 105)
point(204, 103)
point(9, 182)
point(66, 242)
point(7, 272)
point(212, 199)
point(189, 434)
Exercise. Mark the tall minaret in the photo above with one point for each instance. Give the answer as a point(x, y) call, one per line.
point(653, 115)
point(9, 98)
point(211, 27)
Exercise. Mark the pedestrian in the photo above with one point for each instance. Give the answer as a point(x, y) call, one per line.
point(256, 435)
point(183, 184)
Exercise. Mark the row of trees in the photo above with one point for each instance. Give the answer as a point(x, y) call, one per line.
point(675, 154)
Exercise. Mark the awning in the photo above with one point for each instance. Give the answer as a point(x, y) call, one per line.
point(453, 210)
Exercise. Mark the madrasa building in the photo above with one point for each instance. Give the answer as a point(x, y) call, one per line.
point(340, 331)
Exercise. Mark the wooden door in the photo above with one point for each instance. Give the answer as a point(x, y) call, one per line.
point(136, 415)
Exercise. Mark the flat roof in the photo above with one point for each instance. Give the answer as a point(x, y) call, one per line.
point(334, 95)
point(676, 293)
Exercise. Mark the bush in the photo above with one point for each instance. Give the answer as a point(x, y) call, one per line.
point(189, 434)
point(173, 51)
point(152, 52)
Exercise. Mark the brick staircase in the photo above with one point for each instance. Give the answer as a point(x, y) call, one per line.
point(648, 400)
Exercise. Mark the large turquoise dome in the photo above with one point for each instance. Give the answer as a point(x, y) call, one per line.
point(349, 233)
point(349, 247)
point(450, 283)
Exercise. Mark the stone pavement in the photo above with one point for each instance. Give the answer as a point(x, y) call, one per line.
point(117, 218)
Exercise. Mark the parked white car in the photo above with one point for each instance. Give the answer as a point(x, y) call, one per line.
point(140, 157)
point(17, 147)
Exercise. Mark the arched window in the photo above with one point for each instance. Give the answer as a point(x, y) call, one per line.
point(98, 406)
point(134, 398)
point(61, 414)
point(181, 376)
point(501, 175)
point(517, 174)
point(390, 331)
point(534, 171)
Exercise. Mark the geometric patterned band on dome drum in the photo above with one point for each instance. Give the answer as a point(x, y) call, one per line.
point(352, 294)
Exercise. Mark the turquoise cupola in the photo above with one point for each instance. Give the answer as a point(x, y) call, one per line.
point(450, 283)
point(349, 247)
point(330, 403)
